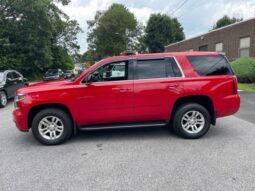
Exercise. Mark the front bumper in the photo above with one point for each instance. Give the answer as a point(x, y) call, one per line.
point(20, 119)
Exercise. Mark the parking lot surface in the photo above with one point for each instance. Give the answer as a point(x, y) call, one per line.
point(131, 159)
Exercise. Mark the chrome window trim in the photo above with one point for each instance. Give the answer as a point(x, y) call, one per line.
point(140, 58)
point(180, 68)
point(127, 60)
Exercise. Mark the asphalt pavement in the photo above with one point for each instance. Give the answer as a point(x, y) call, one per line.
point(247, 110)
point(141, 159)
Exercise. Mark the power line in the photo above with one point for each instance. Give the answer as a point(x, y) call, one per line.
point(169, 5)
point(180, 6)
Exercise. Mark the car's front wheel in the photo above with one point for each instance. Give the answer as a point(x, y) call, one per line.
point(191, 121)
point(52, 126)
point(3, 99)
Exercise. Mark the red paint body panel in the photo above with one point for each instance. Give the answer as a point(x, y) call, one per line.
point(103, 103)
point(154, 98)
point(140, 100)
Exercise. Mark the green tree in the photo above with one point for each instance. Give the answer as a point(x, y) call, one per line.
point(89, 56)
point(35, 35)
point(162, 30)
point(112, 31)
point(225, 20)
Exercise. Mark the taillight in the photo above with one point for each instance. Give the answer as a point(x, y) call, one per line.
point(235, 86)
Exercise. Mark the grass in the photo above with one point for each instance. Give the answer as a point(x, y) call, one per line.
point(246, 87)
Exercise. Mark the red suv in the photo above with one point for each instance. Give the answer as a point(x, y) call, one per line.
point(185, 91)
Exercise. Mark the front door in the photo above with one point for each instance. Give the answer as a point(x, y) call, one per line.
point(109, 97)
point(18, 79)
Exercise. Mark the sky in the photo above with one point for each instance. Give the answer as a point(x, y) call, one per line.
point(196, 16)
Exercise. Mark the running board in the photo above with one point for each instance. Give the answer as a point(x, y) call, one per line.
point(123, 126)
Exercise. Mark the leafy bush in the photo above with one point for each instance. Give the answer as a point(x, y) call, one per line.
point(244, 68)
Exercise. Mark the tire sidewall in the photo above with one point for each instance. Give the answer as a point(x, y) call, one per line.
point(63, 116)
point(182, 111)
point(1, 105)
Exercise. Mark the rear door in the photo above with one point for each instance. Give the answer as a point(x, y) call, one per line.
point(157, 85)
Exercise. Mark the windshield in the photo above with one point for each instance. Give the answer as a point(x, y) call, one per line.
point(1, 76)
point(52, 72)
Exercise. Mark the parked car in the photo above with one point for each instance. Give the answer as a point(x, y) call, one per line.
point(68, 74)
point(10, 81)
point(186, 91)
point(53, 74)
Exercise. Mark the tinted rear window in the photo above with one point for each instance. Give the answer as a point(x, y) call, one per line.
point(210, 65)
point(158, 68)
point(148, 69)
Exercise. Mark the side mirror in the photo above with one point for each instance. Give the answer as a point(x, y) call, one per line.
point(9, 80)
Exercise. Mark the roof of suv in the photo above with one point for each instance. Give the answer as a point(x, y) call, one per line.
point(190, 53)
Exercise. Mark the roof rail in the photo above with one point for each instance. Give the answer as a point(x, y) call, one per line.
point(128, 52)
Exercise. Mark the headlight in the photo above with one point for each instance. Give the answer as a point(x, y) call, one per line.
point(18, 97)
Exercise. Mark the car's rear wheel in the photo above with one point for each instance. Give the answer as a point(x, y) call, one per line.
point(191, 121)
point(52, 126)
point(3, 99)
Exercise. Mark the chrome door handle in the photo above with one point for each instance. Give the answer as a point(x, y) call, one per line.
point(121, 89)
point(172, 86)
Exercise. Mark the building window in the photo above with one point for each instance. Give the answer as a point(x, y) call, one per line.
point(244, 50)
point(219, 47)
point(203, 48)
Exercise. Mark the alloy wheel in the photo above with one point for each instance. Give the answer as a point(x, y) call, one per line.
point(3, 99)
point(51, 127)
point(193, 122)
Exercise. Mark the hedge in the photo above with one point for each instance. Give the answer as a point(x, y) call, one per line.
point(244, 69)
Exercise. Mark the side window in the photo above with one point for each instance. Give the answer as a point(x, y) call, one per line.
point(210, 65)
point(115, 71)
point(172, 68)
point(15, 75)
point(9, 75)
point(149, 69)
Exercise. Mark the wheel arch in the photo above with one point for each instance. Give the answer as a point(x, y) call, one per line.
point(36, 109)
point(203, 100)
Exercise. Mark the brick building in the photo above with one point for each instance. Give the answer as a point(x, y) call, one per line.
point(236, 40)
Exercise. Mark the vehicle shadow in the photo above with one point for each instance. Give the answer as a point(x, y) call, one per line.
point(129, 134)
point(124, 134)
point(144, 133)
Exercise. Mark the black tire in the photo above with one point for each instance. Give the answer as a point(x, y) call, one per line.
point(179, 116)
point(3, 102)
point(65, 121)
